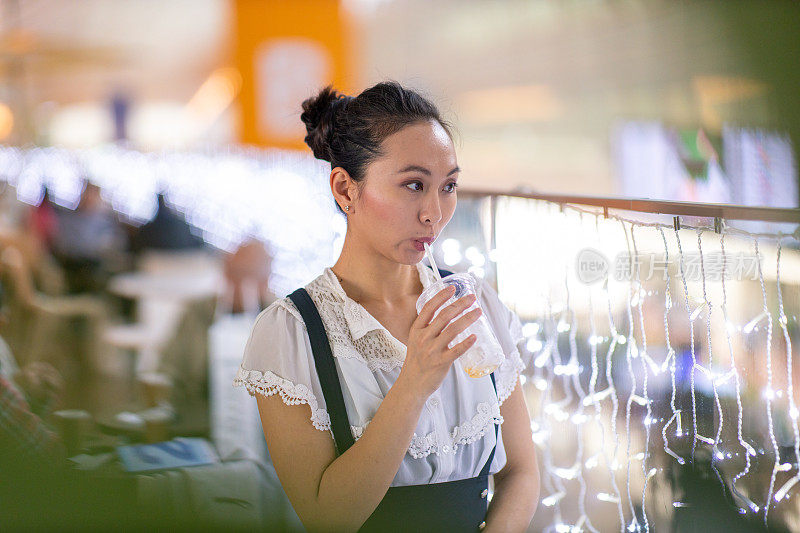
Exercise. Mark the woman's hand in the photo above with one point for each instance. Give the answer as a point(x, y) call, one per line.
point(428, 357)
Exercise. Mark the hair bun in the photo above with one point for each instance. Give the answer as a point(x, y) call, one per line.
point(318, 115)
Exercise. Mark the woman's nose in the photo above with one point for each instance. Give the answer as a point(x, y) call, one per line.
point(432, 210)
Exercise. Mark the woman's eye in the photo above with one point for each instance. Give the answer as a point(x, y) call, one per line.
point(417, 186)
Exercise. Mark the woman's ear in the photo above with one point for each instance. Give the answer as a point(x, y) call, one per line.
point(345, 190)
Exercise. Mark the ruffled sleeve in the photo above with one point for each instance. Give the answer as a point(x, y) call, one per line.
point(508, 330)
point(278, 360)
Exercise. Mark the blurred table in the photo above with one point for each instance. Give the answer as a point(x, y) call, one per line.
point(161, 295)
point(165, 286)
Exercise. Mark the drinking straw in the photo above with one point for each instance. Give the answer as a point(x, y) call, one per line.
point(429, 253)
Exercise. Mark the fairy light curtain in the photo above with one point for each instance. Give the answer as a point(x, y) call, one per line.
point(653, 349)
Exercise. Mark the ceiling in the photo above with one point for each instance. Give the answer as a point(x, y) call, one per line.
point(75, 51)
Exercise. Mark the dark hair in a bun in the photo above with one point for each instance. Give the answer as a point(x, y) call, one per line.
point(348, 131)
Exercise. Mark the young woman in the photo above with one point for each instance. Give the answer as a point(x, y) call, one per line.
point(374, 427)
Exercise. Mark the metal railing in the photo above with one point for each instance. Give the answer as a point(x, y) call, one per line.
point(646, 205)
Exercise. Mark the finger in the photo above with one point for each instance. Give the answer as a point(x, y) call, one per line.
point(450, 312)
point(460, 349)
point(430, 307)
point(457, 326)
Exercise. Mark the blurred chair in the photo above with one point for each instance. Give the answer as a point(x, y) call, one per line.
point(137, 341)
point(184, 358)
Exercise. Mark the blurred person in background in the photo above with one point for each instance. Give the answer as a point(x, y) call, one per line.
point(27, 395)
point(28, 446)
point(46, 275)
point(429, 434)
point(249, 267)
point(43, 221)
point(88, 242)
point(33, 238)
point(168, 230)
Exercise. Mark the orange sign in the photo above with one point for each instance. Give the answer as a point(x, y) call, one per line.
point(286, 50)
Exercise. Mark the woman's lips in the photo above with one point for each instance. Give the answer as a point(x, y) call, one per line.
point(419, 244)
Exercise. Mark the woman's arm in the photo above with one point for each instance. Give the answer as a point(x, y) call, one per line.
point(516, 486)
point(340, 493)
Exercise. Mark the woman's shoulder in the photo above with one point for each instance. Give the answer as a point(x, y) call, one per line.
point(278, 341)
point(278, 313)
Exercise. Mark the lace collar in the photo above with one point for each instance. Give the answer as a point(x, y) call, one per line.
point(359, 320)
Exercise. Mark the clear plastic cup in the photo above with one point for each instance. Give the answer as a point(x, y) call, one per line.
point(485, 355)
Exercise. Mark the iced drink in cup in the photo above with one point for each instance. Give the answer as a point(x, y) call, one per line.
point(485, 355)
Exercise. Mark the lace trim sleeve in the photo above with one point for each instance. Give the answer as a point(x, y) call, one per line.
point(510, 369)
point(508, 375)
point(268, 384)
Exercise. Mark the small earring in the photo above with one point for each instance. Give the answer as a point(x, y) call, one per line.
point(347, 208)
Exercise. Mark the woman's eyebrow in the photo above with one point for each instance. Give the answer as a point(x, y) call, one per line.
point(417, 168)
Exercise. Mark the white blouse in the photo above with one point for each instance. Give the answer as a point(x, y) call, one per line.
point(454, 435)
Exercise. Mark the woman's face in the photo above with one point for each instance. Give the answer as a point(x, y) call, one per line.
point(409, 194)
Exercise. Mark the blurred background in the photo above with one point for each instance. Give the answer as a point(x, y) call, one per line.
point(155, 194)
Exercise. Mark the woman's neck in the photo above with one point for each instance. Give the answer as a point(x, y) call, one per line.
point(370, 277)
